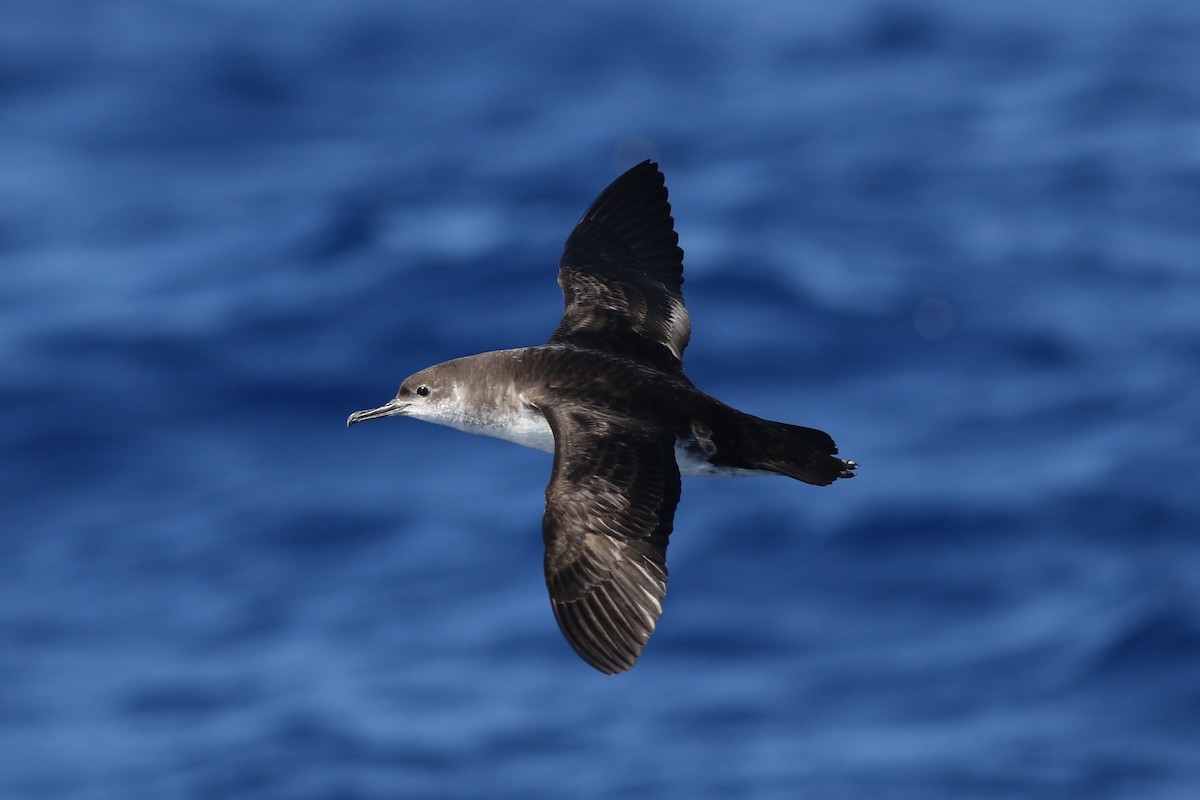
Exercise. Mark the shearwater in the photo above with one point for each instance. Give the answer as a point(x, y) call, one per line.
point(608, 397)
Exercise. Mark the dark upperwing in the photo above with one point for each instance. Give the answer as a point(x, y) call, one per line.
point(610, 507)
point(621, 275)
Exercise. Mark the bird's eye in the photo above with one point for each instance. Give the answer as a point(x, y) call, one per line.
point(422, 391)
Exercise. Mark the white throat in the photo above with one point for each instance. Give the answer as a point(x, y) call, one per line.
point(521, 425)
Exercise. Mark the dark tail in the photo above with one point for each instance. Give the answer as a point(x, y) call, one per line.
point(805, 454)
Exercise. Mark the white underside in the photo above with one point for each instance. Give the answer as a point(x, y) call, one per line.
point(530, 429)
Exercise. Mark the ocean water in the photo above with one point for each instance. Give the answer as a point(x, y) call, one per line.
point(963, 239)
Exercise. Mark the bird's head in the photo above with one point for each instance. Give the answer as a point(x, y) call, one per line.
point(431, 395)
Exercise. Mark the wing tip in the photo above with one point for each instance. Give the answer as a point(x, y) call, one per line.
point(599, 645)
point(609, 623)
point(642, 185)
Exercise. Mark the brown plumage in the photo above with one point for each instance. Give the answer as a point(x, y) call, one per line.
point(607, 395)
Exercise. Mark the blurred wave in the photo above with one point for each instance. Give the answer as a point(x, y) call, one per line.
point(961, 239)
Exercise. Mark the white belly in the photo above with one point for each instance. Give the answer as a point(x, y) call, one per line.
point(527, 428)
point(530, 429)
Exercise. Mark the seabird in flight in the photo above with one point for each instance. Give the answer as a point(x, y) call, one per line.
point(608, 397)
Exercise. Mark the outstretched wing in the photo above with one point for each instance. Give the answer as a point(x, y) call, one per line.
point(621, 274)
point(609, 510)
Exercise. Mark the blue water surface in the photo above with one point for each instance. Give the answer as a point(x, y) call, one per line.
point(962, 238)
